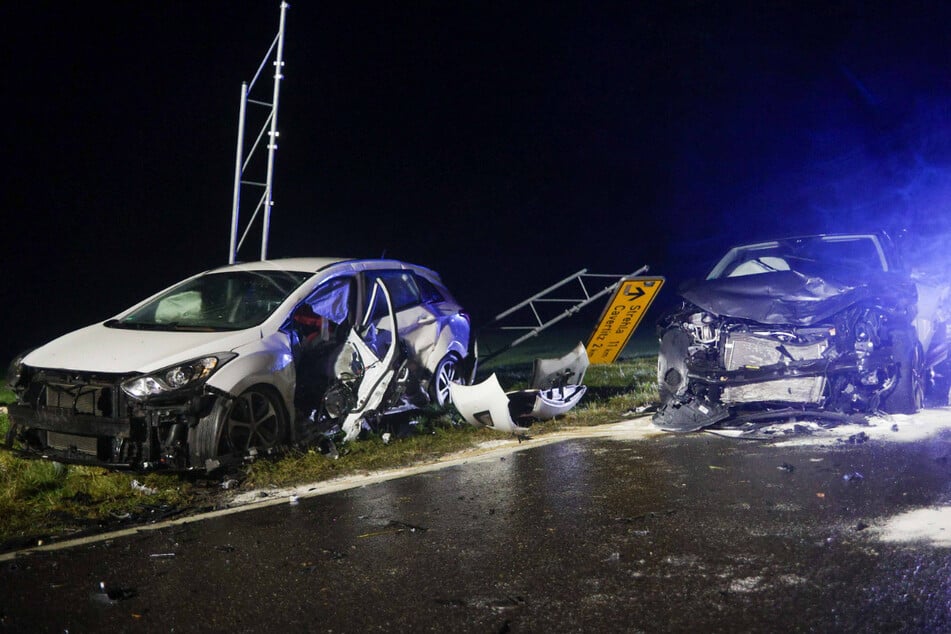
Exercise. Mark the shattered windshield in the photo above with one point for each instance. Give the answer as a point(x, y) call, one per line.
point(817, 255)
point(231, 300)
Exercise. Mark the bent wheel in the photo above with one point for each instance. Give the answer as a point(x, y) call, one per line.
point(448, 371)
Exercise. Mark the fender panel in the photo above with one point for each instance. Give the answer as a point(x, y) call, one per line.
point(267, 361)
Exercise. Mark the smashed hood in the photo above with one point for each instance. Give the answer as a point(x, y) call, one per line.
point(791, 297)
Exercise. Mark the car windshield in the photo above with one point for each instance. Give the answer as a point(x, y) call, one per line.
point(231, 300)
point(841, 254)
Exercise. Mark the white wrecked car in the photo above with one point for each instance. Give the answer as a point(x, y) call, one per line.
point(241, 360)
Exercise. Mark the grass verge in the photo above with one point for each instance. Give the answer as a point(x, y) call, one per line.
point(42, 500)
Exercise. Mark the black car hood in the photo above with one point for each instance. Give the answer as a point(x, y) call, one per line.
point(793, 298)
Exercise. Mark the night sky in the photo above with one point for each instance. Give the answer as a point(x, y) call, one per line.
point(505, 144)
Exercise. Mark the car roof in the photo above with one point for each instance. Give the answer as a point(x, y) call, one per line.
point(313, 265)
point(303, 265)
point(880, 236)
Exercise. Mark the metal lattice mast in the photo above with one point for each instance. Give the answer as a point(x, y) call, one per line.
point(242, 159)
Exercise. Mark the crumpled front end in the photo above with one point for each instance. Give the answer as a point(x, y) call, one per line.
point(711, 368)
point(87, 418)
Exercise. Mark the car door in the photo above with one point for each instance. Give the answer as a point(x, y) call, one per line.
point(416, 320)
point(376, 344)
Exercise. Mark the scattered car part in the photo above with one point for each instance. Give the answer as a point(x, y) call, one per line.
point(545, 404)
point(485, 405)
point(559, 372)
point(556, 388)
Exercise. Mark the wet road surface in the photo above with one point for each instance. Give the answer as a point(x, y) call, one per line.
point(672, 533)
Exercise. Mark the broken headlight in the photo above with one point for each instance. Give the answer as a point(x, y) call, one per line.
point(184, 375)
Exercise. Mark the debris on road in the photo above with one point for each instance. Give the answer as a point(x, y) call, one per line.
point(141, 488)
point(105, 595)
point(393, 527)
point(857, 439)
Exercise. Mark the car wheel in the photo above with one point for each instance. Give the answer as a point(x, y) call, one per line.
point(908, 395)
point(11, 435)
point(448, 371)
point(255, 420)
point(672, 365)
point(938, 388)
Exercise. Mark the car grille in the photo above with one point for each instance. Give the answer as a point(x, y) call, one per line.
point(743, 350)
point(66, 442)
point(81, 397)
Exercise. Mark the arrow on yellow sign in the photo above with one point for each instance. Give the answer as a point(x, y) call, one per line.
point(621, 317)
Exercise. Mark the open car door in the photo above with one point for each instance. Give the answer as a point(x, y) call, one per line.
point(377, 345)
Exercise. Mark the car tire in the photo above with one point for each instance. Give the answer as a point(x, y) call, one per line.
point(672, 378)
point(254, 422)
point(449, 370)
point(11, 435)
point(938, 390)
point(908, 395)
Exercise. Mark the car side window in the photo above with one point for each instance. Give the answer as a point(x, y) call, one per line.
point(402, 288)
point(428, 293)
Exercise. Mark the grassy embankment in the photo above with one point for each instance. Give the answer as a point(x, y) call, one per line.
point(40, 500)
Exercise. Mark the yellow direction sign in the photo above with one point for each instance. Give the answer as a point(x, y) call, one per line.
point(621, 317)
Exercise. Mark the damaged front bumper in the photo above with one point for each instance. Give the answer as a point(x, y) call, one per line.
point(819, 388)
point(89, 420)
point(556, 389)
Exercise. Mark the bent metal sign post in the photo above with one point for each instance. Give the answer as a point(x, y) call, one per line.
point(621, 317)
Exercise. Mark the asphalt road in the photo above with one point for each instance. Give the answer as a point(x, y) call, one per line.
point(622, 532)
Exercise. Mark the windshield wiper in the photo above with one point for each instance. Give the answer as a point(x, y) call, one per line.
point(130, 325)
point(168, 326)
point(763, 264)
